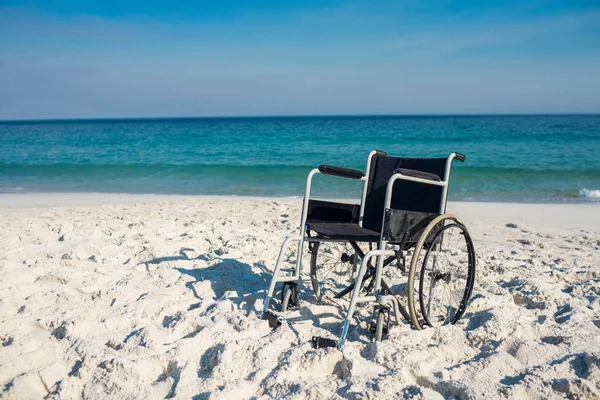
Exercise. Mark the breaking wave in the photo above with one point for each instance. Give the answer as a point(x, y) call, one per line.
point(589, 193)
point(11, 189)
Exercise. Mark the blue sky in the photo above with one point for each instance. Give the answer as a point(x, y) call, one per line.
point(75, 59)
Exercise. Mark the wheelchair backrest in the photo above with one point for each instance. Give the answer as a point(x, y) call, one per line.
point(410, 196)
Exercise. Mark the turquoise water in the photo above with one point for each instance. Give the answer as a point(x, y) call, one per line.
point(509, 158)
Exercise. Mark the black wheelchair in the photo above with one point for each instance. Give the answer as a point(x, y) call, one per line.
point(403, 230)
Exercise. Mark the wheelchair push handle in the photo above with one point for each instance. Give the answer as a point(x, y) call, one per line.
point(460, 157)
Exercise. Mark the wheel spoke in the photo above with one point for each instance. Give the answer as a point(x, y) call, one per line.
point(445, 275)
point(331, 267)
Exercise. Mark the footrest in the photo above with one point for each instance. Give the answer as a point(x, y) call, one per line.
point(275, 321)
point(321, 342)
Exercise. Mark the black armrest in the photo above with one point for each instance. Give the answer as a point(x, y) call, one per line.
point(418, 174)
point(339, 171)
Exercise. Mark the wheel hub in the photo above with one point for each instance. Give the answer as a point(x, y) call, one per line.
point(347, 258)
point(443, 276)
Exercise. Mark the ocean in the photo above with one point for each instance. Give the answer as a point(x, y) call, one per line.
point(509, 158)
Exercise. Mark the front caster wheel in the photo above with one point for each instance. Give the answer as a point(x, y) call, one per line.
point(380, 322)
point(289, 296)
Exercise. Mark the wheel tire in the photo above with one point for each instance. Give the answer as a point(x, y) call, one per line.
point(331, 265)
point(287, 295)
point(416, 316)
point(379, 327)
point(446, 272)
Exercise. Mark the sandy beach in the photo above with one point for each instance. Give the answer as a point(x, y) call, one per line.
point(131, 296)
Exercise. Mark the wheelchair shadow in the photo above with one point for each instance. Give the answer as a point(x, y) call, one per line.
point(243, 284)
point(182, 256)
point(224, 278)
point(330, 320)
point(317, 320)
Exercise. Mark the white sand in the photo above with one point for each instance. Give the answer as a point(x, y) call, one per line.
point(110, 296)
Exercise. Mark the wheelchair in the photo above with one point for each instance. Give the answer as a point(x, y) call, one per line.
point(400, 228)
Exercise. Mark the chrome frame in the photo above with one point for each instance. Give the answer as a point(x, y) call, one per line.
point(301, 237)
point(380, 253)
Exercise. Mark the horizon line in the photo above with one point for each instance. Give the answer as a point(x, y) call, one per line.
point(217, 117)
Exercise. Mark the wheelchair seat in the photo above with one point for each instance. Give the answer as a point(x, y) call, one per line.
point(342, 231)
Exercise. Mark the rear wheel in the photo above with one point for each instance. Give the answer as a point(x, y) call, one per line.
point(442, 273)
point(332, 267)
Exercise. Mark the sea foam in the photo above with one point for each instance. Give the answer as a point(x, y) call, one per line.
point(11, 189)
point(593, 194)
